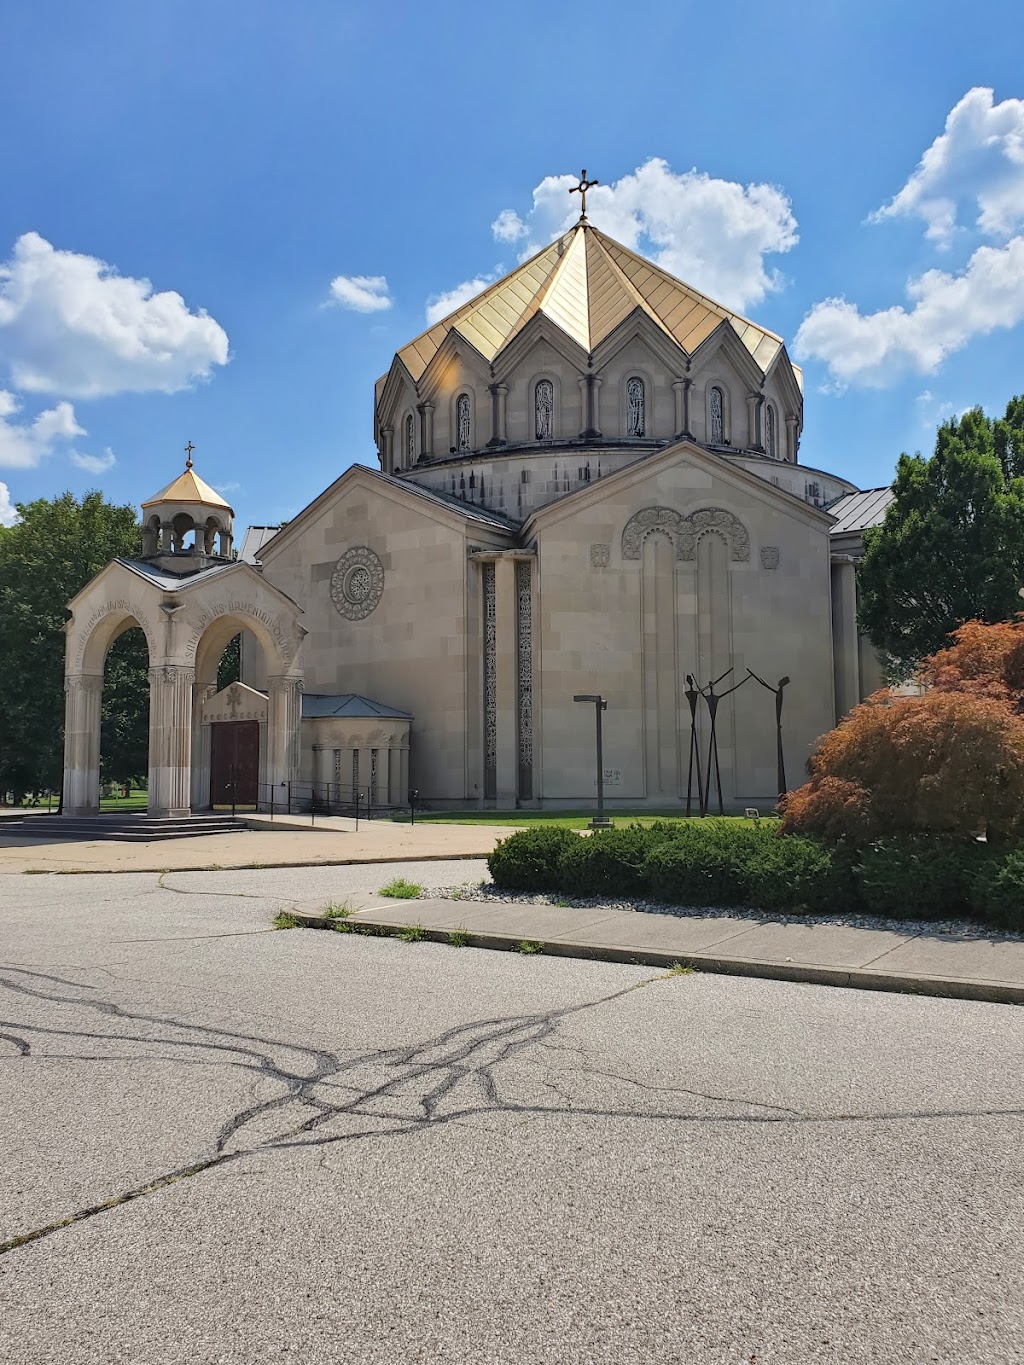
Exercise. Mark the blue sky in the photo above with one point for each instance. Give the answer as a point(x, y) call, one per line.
point(181, 184)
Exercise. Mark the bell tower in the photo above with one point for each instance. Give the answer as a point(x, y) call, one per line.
point(187, 527)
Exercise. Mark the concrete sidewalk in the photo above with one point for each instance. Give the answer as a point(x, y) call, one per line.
point(281, 841)
point(968, 968)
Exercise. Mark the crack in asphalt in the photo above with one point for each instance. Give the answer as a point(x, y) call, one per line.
point(457, 1076)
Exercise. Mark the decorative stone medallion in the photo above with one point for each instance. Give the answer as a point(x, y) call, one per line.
point(769, 556)
point(600, 555)
point(357, 582)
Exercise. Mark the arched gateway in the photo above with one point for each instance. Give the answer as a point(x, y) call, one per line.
point(190, 597)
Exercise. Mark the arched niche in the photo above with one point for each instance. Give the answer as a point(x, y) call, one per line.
point(686, 531)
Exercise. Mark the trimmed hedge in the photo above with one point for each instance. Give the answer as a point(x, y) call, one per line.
point(715, 863)
point(528, 860)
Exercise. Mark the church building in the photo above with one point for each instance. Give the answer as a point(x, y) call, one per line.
point(589, 484)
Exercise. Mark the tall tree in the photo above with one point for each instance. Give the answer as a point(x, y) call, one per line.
point(54, 550)
point(951, 548)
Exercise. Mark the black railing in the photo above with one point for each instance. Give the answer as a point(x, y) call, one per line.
point(328, 798)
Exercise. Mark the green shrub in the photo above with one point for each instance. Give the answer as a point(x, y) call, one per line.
point(607, 863)
point(701, 864)
point(998, 890)
point(921, 876)
point(528, 860)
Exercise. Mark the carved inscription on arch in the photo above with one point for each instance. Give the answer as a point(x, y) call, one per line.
point(685, 532)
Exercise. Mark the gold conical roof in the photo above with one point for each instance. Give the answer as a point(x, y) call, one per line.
point(188, 487)
point(587, 284)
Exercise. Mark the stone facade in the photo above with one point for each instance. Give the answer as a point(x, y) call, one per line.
point(589, 483)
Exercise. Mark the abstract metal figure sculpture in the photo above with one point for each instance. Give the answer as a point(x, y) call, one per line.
point(779, 757)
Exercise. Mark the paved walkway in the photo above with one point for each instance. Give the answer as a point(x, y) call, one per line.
point(967, 968)
point(280, 841)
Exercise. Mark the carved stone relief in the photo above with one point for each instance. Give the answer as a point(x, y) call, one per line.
point(769, 556)
point(600, 555)
point(357, 583)
point(686, 531)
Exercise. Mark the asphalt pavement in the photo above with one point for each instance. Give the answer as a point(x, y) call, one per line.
point(225, 1143)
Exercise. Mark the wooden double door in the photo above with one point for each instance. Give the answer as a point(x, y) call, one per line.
point(234, 764)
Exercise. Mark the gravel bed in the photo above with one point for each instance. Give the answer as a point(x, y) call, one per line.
point(961, 929)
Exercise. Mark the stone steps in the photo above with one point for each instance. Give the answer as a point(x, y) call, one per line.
point(132, 829)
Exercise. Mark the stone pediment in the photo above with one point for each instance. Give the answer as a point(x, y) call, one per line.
point(236, 702)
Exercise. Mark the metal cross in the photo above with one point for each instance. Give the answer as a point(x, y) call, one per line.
point(188, 455)
point(581, 190)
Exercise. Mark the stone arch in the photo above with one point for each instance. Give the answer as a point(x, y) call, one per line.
point(642, 523)
point(685, 531)
point(186, 626)
point(88, 643)
point(713, 521)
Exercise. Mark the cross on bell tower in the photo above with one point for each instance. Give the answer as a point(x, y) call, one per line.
point(581, 190)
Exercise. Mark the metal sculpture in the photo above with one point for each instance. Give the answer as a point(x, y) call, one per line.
point(712, 699)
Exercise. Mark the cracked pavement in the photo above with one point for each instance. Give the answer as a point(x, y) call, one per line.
point(222, 1143)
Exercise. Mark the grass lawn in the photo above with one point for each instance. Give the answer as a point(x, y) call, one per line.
point(567, 819)
point(135, 802)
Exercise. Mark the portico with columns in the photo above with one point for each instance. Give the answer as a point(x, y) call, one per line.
point(189, 599)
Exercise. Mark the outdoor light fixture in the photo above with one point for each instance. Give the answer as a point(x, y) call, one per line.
point(600, 820)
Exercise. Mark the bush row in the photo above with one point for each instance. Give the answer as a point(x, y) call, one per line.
point(721, 863)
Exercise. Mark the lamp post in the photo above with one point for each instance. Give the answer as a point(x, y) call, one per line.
point(600, 820)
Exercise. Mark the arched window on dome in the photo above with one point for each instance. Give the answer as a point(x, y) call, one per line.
point(544, 410)
point(716, 418)
point(771, 440)
point(410, 442)
point(463, 422)
point(636, 407)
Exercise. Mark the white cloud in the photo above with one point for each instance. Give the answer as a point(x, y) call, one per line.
point(8, 512)
point(509, 227)
point(714, 234)
point(976, 163)
point(94, 464)
point(24, 444)
point(70, 324)
point(440, 305)
point(874, 349)
point(360, 293)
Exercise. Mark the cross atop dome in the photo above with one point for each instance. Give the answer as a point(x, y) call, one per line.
point(581, 190)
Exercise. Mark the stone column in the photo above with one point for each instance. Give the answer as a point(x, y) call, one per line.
point(426, 412)
point(83, 693)
point(165, 535)
point(388, 450)
point(403, 776)
point(170, 740)
point(755, 402)
point(845, 644)
point(323, 770)
point(792, 438)
point(681, 391)
point(507, 765)
point(284, 719)
point(589, 386)
point(499, 411)
point(201, 737)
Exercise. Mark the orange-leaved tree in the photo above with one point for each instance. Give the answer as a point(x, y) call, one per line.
point(950, 761)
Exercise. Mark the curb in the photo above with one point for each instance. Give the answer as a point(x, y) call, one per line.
point(248, 867)
point(850, 978)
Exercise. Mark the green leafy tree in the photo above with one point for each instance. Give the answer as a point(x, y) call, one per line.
point(229, 669)
point(951, 548)
point(50, 554)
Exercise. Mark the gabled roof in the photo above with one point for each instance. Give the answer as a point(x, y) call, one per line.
point(858, 511)
point(188, 487)
point(173, 582)
point(350, 705)
point(253, 542)
point(587, 284)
